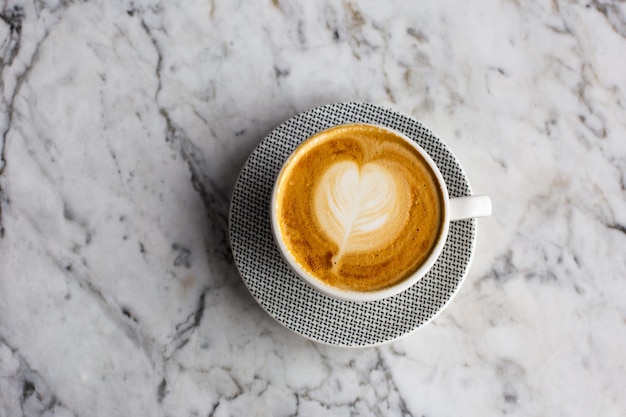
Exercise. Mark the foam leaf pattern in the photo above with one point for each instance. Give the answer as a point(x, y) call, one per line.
point(356, 205)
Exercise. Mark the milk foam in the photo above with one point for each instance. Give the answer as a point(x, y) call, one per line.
point(359, 208)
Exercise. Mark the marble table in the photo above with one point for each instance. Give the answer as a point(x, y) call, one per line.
point(124, 126)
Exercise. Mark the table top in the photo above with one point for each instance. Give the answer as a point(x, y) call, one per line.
point(125, 125)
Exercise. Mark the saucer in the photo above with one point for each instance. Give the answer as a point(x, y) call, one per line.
point(299, 307)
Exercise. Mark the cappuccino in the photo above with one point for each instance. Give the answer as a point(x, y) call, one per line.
point(358, 208)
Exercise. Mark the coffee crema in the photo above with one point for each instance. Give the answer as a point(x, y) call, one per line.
point(358, 208)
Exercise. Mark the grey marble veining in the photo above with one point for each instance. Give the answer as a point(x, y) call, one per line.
point(124, 126)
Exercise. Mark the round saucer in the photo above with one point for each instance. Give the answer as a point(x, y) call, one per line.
point(301, 308)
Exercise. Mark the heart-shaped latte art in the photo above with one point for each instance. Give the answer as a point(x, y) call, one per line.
point(359, 207)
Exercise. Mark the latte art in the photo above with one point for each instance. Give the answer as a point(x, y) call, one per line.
point(358, 208)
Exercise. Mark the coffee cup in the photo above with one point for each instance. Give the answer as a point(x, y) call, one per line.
point(361, 212)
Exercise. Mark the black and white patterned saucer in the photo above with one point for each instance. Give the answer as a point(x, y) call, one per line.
point(301, 308)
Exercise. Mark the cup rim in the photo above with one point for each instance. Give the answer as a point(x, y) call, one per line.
point(363, 296)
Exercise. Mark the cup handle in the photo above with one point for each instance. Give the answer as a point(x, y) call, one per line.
point(462, 208)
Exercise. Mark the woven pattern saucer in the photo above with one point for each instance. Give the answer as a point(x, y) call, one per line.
point(301, 308)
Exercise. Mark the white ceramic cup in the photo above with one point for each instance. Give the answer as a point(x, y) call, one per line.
point(454, 209)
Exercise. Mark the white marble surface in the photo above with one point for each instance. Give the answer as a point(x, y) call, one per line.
point(124, 125)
